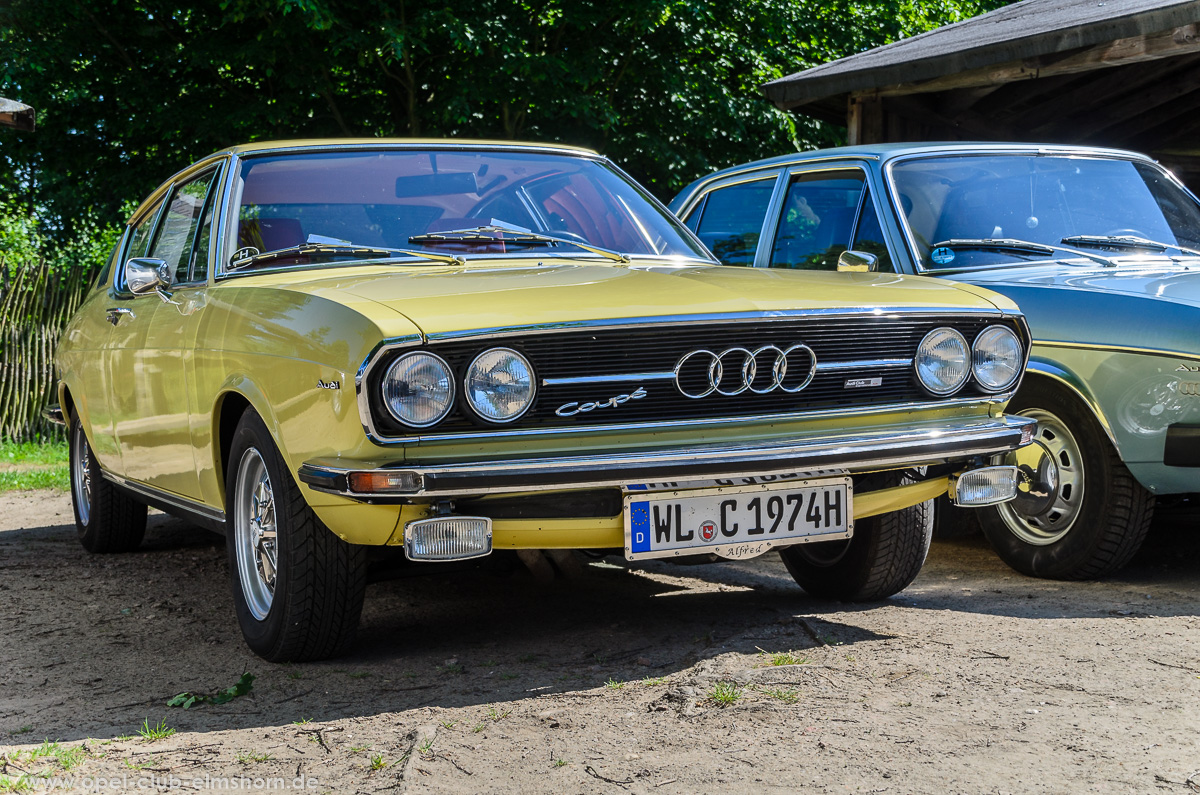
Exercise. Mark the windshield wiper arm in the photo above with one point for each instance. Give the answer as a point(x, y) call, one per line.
point(1125, 241)
point(1020, 246)
point(505, 234)
point(339, 250)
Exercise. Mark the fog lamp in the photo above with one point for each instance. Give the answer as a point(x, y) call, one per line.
point(984, 486)
point(448, 538)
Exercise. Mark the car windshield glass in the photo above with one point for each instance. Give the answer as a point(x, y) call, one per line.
point(385, 199)
point(1060, 201)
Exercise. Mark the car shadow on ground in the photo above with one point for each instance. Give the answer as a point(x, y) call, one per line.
point(97, 644)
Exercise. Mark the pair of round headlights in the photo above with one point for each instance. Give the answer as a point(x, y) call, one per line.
point(944, 361)
point(419, 387)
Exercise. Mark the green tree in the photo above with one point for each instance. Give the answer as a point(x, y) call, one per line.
point(128, 91)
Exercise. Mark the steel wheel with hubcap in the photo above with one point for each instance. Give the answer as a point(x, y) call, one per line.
point(106, 518)
point(298, 589)
point(1079, 513)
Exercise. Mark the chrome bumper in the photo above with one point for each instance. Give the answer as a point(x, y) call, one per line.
point(919, 445)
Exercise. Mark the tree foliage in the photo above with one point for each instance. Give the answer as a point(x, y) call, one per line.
point(128, 91)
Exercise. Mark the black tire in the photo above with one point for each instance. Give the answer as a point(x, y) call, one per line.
point(883, 556)
point(1081, 530)
point(106, 518)
point(309, 608)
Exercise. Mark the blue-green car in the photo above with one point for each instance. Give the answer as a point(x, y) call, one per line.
point(1101, 250)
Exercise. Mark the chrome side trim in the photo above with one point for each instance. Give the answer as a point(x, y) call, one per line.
point(914, 445)
point(360, 378)
point(167, 499)
point(865, 364)
point(1114, 348)
point(608, 379)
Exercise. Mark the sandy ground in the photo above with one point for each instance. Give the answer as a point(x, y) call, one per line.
point(973, 680)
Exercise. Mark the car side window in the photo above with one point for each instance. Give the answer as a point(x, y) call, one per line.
point(176, 234)
point(869, 237)
point(731, 220)
point(817, 219)
point(139, 243)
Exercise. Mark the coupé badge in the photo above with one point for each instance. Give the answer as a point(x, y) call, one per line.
point(571, 409)
point(328, 384)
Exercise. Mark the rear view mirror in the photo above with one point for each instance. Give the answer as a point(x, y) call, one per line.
point(418, 185)
point(857, 262)
point(144, 275)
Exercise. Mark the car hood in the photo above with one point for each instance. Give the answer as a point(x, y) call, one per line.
point(1143, 303)
point(445, 299)
point(1156, 278)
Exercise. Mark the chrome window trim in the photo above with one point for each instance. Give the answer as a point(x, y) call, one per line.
point(910, 242)
point(765, 250)
point(943, 440)
point(701, 186)
point(733, 181)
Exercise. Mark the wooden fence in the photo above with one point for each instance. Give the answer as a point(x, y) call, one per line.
point(35, 304)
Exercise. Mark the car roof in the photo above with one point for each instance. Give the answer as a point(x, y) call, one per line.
point(265, 147)
point(885, 152)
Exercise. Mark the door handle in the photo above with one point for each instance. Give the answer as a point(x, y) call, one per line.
point(115, 313)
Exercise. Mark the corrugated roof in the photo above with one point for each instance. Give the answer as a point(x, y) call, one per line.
point(1027, 29)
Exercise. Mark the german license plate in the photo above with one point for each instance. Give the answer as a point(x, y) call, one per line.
point(737, 521)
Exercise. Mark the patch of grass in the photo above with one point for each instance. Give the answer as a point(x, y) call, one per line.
point(61, 756)
point(357, 749)
point(510, 676)
point(18, 784)
point(159, 731)
point(28, 727)
point(41, 478)
point(132, 765)
point(781, 658)
point(724, 693)
point(651, 681)
point(560, 763)
point(453, 669)
point(495, 714)
point(449, 724)
point(426, 748)
point(479, 727)
point(249, 757)
point(377, 762)
point(302, 722)
point(295, 675)
point(613, 684)
point(787, 695)
point(188, 700)
point(33, 453)
point(490, 663)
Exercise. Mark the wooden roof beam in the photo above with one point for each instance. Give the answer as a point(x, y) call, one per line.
point(1183, 40)
point(14, 114)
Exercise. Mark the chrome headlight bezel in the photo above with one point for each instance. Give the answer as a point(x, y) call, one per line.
point(447, 404)
point(468, 390)
point(936, 337)
point(1018, 364)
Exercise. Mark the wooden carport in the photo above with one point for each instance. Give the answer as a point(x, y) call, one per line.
point(14, 114)
point(1123, 73)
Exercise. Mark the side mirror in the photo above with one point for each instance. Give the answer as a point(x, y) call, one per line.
point(144, 275)
point(857, 262)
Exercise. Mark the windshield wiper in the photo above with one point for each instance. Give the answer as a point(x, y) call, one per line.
point(339, 250)
point(1125, 241)
point(1019, 246)
point(506, 234)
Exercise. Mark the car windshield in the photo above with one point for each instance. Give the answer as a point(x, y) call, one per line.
point(1101, 206)
point(327, 206)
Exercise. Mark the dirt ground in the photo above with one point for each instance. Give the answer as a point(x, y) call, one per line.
point(975, 679)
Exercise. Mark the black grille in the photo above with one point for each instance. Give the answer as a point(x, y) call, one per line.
point(658, 348)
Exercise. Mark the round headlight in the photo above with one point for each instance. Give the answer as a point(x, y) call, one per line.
point(996, 357)
point(943, 361)
point(418, 389)
point(499, 385)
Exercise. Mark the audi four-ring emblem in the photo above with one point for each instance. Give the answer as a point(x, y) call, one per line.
point(733, 371)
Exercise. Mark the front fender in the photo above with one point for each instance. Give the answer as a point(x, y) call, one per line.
point(1046, 366)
